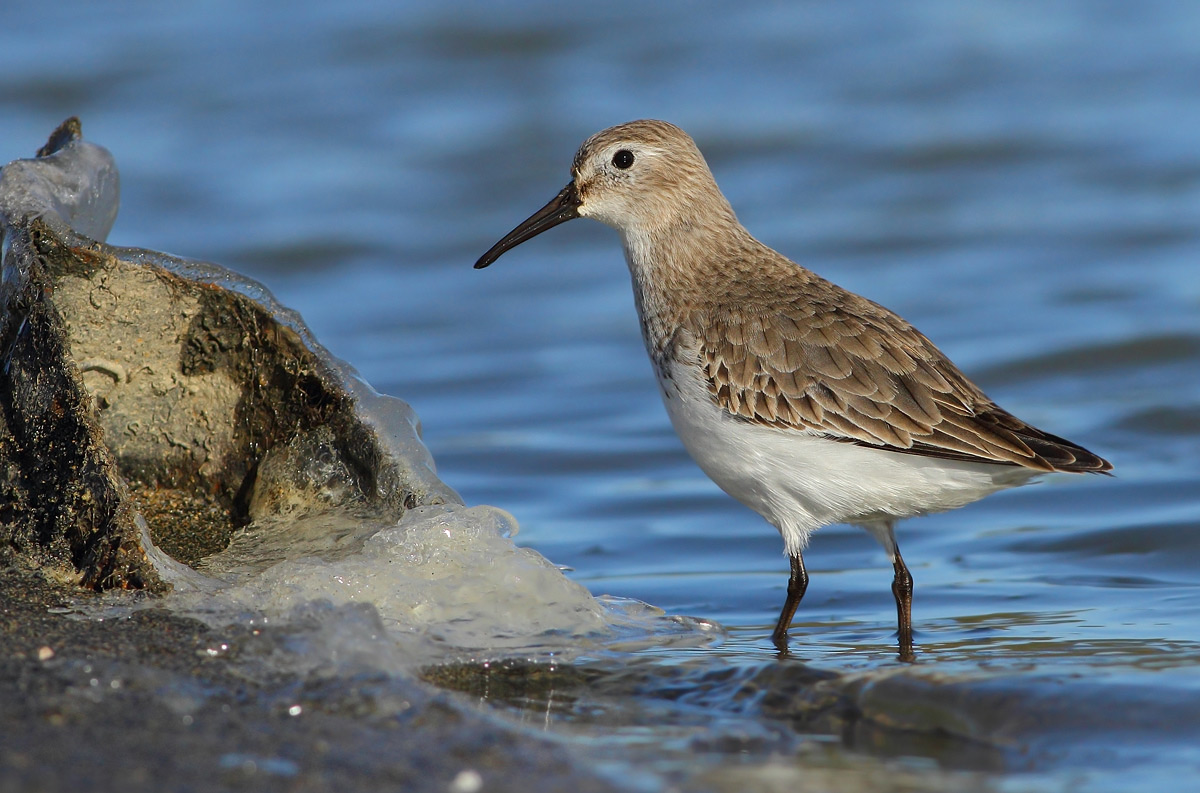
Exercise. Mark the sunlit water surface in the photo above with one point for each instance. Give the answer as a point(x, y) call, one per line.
point(1022, 185)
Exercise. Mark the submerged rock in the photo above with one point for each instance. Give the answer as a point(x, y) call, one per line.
point(138, 389)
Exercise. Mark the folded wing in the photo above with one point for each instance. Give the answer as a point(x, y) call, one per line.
point(846, 367)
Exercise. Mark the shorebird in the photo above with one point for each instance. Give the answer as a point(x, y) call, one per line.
point(806, 402)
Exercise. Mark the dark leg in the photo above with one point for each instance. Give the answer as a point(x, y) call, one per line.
point(797, 583)
point(902, 588)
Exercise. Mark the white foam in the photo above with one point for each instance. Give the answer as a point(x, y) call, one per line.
point(446, 583)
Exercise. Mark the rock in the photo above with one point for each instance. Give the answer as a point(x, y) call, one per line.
point(139, 386)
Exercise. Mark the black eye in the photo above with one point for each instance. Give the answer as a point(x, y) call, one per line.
point(623, 159)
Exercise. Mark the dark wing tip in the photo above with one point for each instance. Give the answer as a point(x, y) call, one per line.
point(1051, 452)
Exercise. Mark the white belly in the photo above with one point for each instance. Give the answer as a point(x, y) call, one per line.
point(800, 481)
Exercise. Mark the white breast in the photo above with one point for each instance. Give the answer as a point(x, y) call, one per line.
point(800, 481)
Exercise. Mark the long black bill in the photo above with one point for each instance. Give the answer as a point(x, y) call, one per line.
point(563, 207)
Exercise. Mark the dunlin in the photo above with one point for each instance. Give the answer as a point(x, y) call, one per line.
point(807, 403)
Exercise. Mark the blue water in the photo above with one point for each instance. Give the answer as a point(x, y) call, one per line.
point(1021, 182)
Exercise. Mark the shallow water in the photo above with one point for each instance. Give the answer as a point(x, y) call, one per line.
point(1022, 185)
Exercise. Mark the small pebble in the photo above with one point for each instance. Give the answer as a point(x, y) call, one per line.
point(468, 781)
